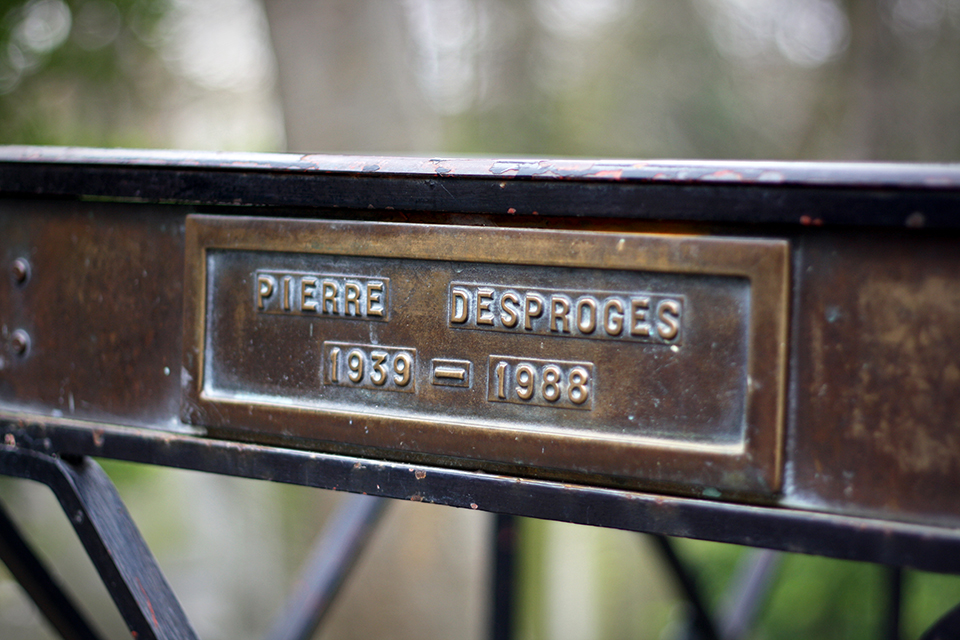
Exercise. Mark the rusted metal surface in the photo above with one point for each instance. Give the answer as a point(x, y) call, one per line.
point(877, 375)
point(95, 331)
point(648, 359)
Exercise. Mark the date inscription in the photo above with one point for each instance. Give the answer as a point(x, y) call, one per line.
point(545, 383)
point(599, 315)
point(367, 366)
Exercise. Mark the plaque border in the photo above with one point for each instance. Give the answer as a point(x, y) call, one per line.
point(753, 469)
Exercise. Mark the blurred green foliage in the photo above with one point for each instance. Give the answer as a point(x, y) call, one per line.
point(79, 72)
point(815, 597)
point(808, 596)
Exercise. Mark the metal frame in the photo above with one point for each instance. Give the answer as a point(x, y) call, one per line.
point(721, 197)
point(58, 455)
point(112, 541)
point(844, 537)
point(803, 193)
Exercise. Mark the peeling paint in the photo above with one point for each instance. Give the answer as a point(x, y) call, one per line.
point(724, 175)
point(801, 173)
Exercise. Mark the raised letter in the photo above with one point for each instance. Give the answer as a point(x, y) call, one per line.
point(351, 291)
point(638, 314)
point(613, 322)
point(551, 389)
point(501, 372)
point(402, 364)
point(286, 293)
point(668, 312)
point(459, 305)
point(579, 389)
point(484, 298)
point(559, 313)
point(379, 374)
point(355, 365)
point(334, 364)
point(375, 297)
point(509, 317)
point(586, 323)
point(307, 301)
point(265, 284)
point(330, 295)
point(533, 308)
point(526, 378)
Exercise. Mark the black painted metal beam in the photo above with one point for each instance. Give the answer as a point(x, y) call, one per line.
point(894, 580)
point(504, 583)
point(111, 539)
point(923, 547)
point(45, 591)
point(946, 628)
point(335, 552)
point(702, 626)
point(897, 196)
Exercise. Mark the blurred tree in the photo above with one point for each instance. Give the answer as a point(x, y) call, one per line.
point(346, 82)
point(79, 72)
point(901, 81)
point(781, 79)
point(137, 73)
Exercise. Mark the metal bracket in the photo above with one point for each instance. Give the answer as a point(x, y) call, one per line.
point(111, 539)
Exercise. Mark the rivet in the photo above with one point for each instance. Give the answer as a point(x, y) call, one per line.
point(21, 270)
point(20, 342)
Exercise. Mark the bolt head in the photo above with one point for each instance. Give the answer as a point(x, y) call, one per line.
point(20, 270)
point(20, 342)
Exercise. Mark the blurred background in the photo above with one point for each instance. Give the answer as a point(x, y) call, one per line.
point(738, 79)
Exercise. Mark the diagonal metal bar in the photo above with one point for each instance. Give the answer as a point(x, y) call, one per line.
point(946, 628)
point(747, 591)
point(40, 584)
point(333, 555)
point(111, 539)
point(703, 625)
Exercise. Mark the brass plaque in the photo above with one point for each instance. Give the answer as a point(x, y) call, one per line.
point(652, 360)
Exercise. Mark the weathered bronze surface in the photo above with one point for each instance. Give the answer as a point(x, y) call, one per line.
point(650, 358)
point(92, 329)
point(878, 375)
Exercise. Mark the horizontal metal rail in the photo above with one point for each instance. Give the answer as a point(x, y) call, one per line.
point(928, 548)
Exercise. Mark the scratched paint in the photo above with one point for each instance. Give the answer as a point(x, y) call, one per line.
point(936, 176)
